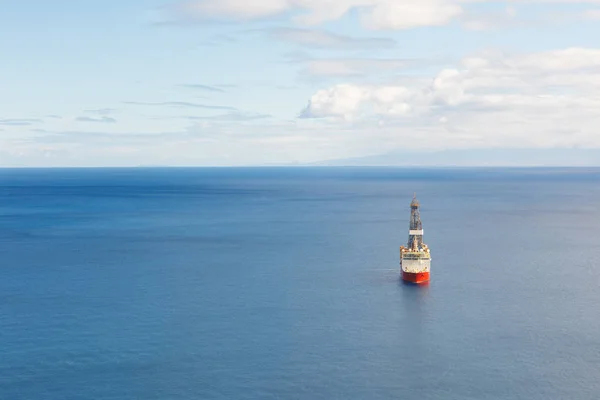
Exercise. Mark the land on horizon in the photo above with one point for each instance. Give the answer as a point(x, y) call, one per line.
point(444, 158)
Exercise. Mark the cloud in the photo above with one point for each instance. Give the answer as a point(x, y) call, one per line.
point(349, 101)
point(352, 67)
point(507, 18)
point(326, 40)
point(573, 59)
point(87, 136)
point(233, 117)
point(230, 9)
point(399, 14)
point(592, 15)
point(198, 144)
point(100, 119)
point(373, 14)
point(339, 101)
point(541, 99)
point(207, 88)
point(18, 122)
point(489, 79)
point(101, 111)
point(180, 104)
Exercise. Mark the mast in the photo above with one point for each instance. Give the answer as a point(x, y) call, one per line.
point(415, 229)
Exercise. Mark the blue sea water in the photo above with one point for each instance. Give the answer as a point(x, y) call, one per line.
point(284, 284)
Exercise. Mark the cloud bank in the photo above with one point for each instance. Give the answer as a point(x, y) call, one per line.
point(373, 14)
point(540, 99)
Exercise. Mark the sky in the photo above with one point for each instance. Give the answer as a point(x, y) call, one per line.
point(272, 82)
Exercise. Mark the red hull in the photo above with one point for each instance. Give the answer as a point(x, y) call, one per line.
point(418, 277)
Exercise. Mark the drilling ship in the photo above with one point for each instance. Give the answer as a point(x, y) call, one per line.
point(415, 258)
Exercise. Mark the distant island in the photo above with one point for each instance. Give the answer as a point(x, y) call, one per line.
point(477, 158)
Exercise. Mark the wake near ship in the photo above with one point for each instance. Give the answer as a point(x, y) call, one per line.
point(415, 258)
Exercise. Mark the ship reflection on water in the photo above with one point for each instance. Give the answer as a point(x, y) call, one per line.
point(415, 296)
point(415, 301)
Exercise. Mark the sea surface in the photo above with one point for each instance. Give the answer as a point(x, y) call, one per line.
point(283, 283)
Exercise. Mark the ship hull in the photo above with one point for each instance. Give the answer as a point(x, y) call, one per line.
point(415, 277)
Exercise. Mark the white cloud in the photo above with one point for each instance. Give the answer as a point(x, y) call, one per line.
point(350, 101)
point(318, 11)
point(375, 14)
point(235, 9)
point(99, 119)
point(394, 14)
point(340, 101)
point(540, 99)
point(493, 20)
point(592, 15)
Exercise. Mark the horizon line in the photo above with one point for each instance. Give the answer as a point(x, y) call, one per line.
point(298, 166)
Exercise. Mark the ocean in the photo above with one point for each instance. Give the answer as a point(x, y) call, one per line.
point(283, 283)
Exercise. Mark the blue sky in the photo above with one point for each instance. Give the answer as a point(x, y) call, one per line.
point(233, 82)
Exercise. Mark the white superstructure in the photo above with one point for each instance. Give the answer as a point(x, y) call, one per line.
point(415, 262)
